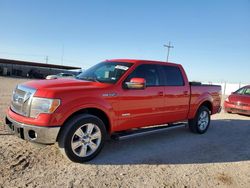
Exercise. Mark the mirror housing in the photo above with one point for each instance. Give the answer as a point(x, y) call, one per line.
point(136, 83)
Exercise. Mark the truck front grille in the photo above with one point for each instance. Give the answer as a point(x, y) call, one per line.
point(21, 99)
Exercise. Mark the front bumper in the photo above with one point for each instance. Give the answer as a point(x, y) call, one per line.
point(38, 134)
point(229, 107)
point(238, 111)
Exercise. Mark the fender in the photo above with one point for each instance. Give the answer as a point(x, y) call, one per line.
point(195, 105)
point(73, 106)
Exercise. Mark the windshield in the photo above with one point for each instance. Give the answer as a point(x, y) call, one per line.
point(106, 72)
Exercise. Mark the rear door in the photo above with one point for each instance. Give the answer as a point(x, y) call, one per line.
point(176, 92)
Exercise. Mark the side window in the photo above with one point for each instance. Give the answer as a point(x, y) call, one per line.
point(240, 91)
point(149, 72)
point(173, 76)
point(247, 91)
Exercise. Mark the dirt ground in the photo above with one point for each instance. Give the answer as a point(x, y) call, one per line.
point(174, 158)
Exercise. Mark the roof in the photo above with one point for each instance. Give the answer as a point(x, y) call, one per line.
point(36, 64)
point(140, 61)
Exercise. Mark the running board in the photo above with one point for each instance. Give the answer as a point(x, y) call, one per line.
point(145, 131)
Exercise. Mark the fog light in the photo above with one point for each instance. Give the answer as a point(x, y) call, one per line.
point(32, 134)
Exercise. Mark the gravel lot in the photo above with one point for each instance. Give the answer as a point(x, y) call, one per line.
point(174, 158)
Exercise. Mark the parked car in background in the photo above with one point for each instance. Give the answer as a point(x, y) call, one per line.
point(60, 75)
point(34, 73)
point(239, 101)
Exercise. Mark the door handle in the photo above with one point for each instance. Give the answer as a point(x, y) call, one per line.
point(160, 93)
point(185, 92)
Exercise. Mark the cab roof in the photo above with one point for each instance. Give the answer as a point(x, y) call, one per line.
point(136, 61)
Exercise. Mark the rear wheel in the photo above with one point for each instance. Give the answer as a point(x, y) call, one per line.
point(201, 121)
point(83, 138)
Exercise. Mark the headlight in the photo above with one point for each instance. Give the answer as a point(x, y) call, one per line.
point(227, 99)
point(43, 105)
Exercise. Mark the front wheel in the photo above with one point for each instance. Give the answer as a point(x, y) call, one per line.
point(83, 138)
point(201, 121)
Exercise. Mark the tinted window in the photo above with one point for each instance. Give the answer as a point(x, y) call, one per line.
point(173, 76)
point(65, 74)
point(240, 91)
point(149, 73)
point(247, 91)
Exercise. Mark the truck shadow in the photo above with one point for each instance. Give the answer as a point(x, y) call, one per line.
point(226, 141)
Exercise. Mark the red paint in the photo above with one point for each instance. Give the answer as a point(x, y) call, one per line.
point(125, 108)
point(238, 103)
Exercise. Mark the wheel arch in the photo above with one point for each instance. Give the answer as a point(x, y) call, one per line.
point(207, 104)
point(91, 111)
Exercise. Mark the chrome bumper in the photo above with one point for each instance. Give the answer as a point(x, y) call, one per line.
point(43, 135)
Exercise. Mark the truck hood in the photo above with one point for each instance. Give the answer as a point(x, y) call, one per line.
point(63, 83)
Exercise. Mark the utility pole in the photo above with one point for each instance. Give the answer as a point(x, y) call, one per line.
point(47, 59)
point(168, 46)
point(62, 54)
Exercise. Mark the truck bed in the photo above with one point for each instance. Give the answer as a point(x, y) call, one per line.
point(199, 90)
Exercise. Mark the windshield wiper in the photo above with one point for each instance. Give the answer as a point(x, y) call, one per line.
point(89, 79)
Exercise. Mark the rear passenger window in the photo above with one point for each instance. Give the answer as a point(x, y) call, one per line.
point(173, 76)
point(247, 91)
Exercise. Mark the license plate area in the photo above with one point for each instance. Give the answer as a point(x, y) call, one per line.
point(239, 107)
point(19, 131)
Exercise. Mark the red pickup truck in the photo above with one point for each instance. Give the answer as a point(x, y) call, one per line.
point(116, 98)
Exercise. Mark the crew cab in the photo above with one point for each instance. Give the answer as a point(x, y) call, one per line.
point(113, 99)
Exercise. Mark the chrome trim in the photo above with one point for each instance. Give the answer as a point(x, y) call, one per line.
point(125, 115)
point(45, 135)
point(19, 100)
point(147, 131)
point(86, 140)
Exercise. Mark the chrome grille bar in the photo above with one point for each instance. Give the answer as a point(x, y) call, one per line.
point(21, 99)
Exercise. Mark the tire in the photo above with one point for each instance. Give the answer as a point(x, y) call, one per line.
point(82, 138)
point(201, 121)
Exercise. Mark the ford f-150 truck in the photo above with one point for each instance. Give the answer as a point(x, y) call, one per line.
point(113, 99)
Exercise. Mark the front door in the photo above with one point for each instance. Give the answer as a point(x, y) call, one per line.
point(139, 108)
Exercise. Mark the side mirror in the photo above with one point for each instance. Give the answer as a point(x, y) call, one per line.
point(136, 83)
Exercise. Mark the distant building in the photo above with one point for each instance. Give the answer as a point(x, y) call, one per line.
point(18, 68)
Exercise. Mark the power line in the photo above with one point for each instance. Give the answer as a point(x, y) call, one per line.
point(168, 46)
point(23, 54)
point(41, 57)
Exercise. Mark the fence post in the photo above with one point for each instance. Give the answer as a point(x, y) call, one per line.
point(225, 85)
